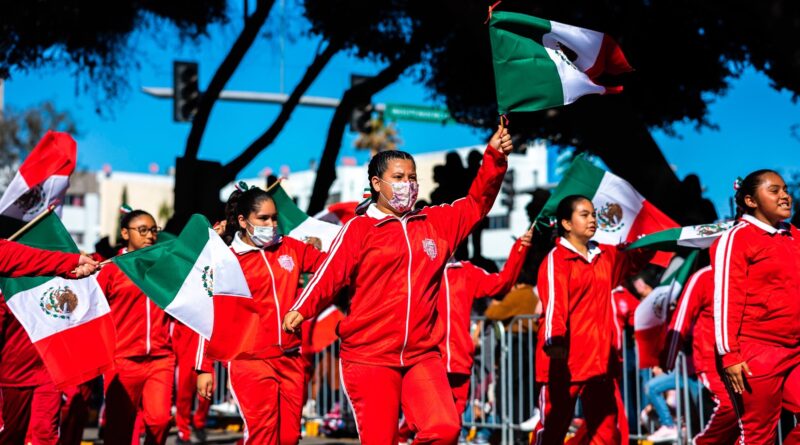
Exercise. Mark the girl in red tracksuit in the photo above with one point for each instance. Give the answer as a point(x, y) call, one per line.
point(757, 306)
point(145, 363)
point(694, 318)
point(390, 260)
point(463, 283)
point(575, 353)
point(269, 383)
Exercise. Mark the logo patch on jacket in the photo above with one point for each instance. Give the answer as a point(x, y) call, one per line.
point(286, 262)
point(430, 248)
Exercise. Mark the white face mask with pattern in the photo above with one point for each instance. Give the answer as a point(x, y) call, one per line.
point(404, 195)
point(264, 236)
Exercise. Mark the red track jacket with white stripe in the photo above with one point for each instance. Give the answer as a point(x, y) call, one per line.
point(392, 268)
point(20, 364)
point(462, 283)
point(693, 319)
point(624, 305)
point(756, 287)
point(142, 327)
point(576, 300)
point(273, 276)
point(18, 260)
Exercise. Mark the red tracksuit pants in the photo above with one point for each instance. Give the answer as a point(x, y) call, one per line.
point(270, 397)
point(75, 413)
point(139, 383)
point(557, 406)
point(723, 426)
point(185, 395)
point(775, 379)
point(32, 409)
point(581, 436)
point(459, 386)
point(377, 394)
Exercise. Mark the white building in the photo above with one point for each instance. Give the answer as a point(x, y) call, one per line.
point(91, 207)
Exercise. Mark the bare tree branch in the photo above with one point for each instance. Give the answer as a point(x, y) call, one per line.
point(230, 170)
point(224, 72)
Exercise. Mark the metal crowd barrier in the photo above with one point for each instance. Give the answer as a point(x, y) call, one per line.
point(502, 385)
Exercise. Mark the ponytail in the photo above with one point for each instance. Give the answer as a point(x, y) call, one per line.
point(242, 201)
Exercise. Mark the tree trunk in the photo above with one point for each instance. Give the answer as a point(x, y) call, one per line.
point(326, 172)
point(224, 72)
point(198, 182)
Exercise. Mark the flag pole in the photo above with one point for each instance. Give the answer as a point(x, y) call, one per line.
point(32, 222)
point(533, 226)
point(273, 185)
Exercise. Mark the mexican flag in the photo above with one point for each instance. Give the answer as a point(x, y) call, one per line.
point(297, 224)
point(700, 237)
point(197, 279)
point(623, 215)
point(322, 328)
point(42, 179)
point(68, 321)
point(651, 318)
point(541, 64)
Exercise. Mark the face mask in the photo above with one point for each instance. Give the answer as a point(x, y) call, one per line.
point(264, 236)
point(404, 195)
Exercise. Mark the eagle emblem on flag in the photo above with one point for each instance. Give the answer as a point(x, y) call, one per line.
point(609, 217)
point(430, 248)
point(208, 280)
point(32, 201)
point(58, 302)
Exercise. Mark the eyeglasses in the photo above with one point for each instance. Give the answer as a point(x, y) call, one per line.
point(143, 230)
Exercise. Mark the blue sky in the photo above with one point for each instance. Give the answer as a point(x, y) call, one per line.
point(755, 121)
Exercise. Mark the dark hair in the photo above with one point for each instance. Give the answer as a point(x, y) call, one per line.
point(377, 167)
point(242, 203)
point(747, 187)
point(126, 218)
point(565, 209)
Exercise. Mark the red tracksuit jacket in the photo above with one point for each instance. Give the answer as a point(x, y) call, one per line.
point(624, 306)
point(142, 327)
point(392, 268)
point(20, 364)
point(273, 275)
point(462, 283)
point(17, 260)
point(694, 319)
point(756, 287)
point(576, 301)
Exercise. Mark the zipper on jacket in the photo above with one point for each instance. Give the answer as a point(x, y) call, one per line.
point(147, 310)
point(408, 304)
point(447, 290)
point(275, 296)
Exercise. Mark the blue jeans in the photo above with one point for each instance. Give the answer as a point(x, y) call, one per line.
point(482, 434)
point(654, 391)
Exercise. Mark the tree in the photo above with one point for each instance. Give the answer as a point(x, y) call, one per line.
point(381, 137)
point(70, 33)
point(21, 130)
point(685, 55)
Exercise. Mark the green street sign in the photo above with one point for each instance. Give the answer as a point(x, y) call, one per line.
point(416, 113)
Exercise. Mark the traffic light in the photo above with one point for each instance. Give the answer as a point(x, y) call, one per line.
point(361, 115)
point(185, 91)
point(507, 191)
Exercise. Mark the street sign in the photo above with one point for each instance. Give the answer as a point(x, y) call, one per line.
point(416, 113)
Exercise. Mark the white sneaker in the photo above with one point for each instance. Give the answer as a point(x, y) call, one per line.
point(226, 408)
point(310, 409)
point(530, 424)
point(664, 434)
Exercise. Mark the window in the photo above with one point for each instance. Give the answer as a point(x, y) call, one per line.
point(77, 236)
point(74, 200)
point(499, 222)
